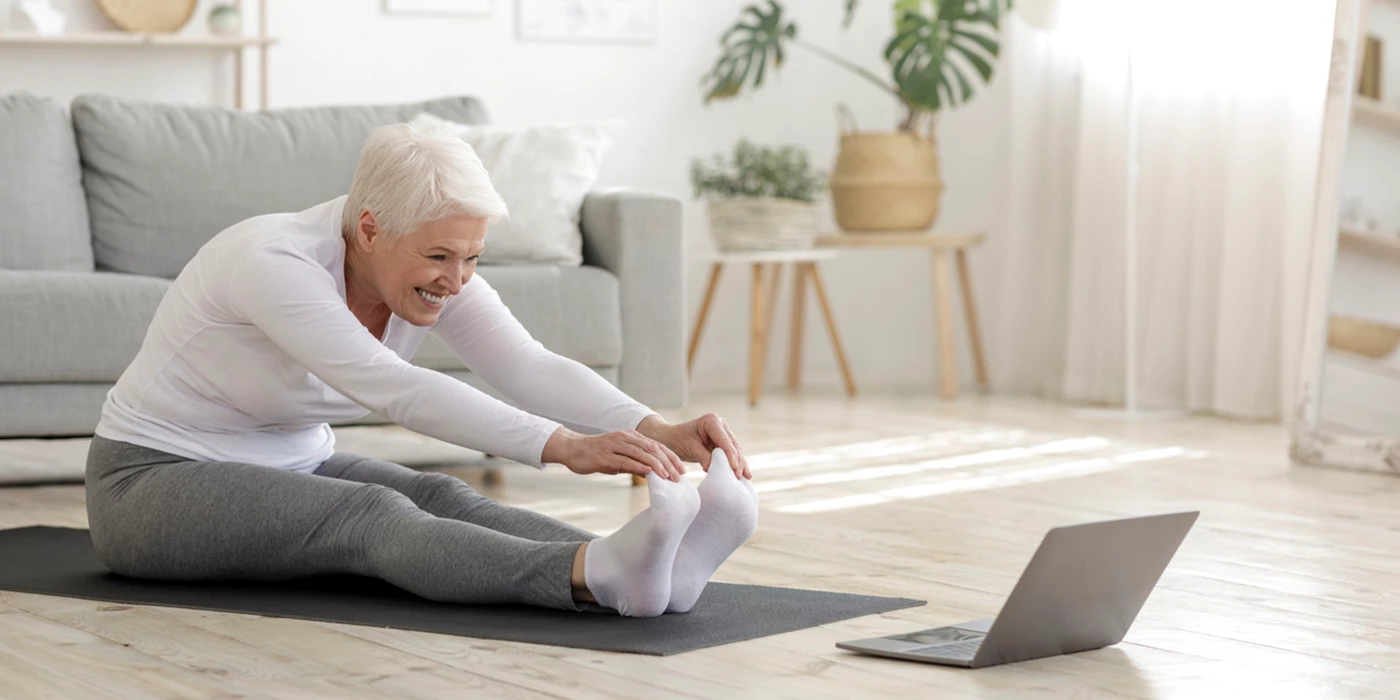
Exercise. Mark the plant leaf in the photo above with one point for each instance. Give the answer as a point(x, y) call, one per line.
point(850, 13)
point(988, 44)
point(963, 83)
point(928, 33)
point(984, 68)
point(754, 40)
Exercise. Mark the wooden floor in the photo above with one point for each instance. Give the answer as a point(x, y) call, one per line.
point(1289, 586)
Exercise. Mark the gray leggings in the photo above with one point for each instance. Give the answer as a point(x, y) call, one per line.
point(156, 515)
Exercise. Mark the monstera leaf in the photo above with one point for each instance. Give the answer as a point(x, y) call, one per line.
point(936, 42)
point(748, 47)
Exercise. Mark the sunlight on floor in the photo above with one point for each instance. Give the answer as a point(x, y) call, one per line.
point(982, 480)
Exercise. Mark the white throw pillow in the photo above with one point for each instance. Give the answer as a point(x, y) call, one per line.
point(543, 172)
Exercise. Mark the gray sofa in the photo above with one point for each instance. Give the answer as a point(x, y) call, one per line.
point(102, 204)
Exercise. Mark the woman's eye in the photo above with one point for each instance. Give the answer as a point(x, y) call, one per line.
point(439, 258)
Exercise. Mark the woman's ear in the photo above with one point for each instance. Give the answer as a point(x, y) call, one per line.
point(367, 231)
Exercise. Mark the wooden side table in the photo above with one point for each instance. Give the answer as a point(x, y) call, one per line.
point(761, 311)
point(943, 249)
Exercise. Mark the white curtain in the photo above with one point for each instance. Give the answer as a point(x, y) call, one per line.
point(1229, 124)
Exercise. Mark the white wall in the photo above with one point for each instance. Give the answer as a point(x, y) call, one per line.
point(338, 51)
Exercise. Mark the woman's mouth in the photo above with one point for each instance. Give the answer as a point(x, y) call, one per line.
point(431, 299)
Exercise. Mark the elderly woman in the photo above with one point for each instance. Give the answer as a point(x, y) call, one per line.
point(214, 457)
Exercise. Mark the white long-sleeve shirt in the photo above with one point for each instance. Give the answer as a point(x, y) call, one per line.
point(253, 352)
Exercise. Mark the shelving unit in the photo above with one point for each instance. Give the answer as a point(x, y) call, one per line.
point(118, 39)
point(1360, 393)
point(133, 40)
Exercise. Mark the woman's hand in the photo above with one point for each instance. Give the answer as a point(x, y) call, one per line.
point(618, 452)
point(695, 440)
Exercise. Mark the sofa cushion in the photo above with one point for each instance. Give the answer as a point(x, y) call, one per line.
point(163, 179)
point(573, 311)
point(45, 222)
point(73, 326)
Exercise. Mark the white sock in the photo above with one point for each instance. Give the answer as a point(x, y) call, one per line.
point(630, 570)
point(728, 516)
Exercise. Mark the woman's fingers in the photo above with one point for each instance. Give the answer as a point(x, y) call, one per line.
point(668, 457)
point(640, 454)
point(720, 436)
point(675, 459)
point(671, 463)
point(748, 473)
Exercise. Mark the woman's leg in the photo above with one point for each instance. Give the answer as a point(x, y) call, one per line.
point(156, 515)
point(446, 496)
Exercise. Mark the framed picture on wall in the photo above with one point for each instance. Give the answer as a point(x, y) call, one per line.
point(440, 7)
point(588, 20)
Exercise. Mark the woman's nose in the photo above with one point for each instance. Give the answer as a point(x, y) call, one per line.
point(454, 283)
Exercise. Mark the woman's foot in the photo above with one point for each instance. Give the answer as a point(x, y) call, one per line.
point(630, 570)
point(728, 516)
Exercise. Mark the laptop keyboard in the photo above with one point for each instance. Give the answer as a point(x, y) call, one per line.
point(957, 650)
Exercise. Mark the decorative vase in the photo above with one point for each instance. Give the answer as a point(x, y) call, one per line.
point(885, 181)
point(763, 223)
point(225, 20)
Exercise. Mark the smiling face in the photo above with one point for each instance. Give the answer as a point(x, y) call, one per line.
point(415, 274)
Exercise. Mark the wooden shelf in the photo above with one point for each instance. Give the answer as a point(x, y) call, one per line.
point(1375, 113)
point(182, 41)
point(899, 239)
point(1372, 243)
point(1374, 366)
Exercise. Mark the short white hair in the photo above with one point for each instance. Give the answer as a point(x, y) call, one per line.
point(414, 173)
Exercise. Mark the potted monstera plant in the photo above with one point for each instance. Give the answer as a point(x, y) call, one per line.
point(882, 180)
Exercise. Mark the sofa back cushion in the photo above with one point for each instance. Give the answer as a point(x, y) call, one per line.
point(163, 179)
point(44, 225)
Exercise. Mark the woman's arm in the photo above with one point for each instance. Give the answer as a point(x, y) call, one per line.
point(482, 331)
point(294, 301)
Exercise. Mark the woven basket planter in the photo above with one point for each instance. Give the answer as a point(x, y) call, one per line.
point(763, 223)
point(886, 181)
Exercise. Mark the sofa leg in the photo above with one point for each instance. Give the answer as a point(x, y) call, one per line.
point(492, 476)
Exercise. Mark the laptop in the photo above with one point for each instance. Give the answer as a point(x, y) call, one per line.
point(1081, 591)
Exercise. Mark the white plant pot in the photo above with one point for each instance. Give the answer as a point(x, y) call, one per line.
point(763, 223)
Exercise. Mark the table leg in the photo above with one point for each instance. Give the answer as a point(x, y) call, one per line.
point(831, 329)
point(704, 314)
point(775, 276)
point(756, 333)
point(799, 294)
point(943, 308)
point(974, 332)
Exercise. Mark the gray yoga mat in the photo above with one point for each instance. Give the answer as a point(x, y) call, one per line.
point(61, 562)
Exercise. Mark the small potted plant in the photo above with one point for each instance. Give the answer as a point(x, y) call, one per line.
point(762, 199)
